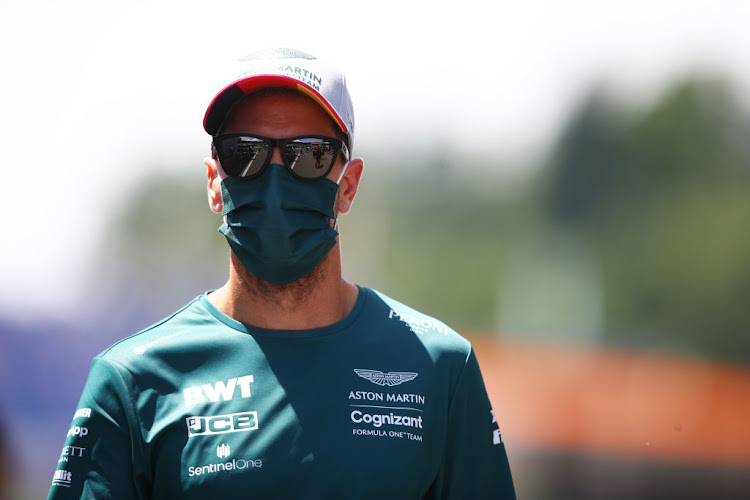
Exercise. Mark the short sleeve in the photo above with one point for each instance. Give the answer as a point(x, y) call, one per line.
point(102, 454)
point(475, 463)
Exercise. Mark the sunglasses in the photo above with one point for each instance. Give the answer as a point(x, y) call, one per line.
point(307, 157)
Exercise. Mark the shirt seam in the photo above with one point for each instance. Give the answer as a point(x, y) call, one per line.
point(133, 420)
point(293, 335)
point(151, 327)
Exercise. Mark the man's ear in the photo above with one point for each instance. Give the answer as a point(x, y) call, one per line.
point(215, 201)
point(348, 185)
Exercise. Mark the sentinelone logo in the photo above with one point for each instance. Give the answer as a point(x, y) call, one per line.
point(223, 451)
point(235, 464)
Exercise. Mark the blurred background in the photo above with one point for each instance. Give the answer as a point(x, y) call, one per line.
point(565, 183)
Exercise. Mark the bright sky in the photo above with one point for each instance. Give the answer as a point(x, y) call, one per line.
point(91, 94)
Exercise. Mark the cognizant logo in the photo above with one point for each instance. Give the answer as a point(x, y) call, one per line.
point(379, 419)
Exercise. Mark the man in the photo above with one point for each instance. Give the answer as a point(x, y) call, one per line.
point(288, 381)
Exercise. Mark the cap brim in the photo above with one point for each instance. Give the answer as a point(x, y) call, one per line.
point(221, 104)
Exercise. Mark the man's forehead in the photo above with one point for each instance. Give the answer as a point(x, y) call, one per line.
point(278, 106)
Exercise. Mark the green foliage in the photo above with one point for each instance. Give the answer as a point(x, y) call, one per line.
point(663, 199)
point(632, 233)
point(448, 226)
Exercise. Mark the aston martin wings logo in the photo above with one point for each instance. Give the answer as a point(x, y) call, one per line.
point(389, 379)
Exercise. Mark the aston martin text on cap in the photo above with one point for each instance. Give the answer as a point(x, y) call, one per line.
point(286, 68)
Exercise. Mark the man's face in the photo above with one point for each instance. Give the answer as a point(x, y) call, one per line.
point(279, 115)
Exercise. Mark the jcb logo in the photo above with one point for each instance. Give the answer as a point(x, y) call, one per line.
point(222, 424)
point(218, 391)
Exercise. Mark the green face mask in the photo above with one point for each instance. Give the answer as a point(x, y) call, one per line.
point(278, 226)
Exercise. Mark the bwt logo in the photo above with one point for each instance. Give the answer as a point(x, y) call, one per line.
point(78, 431)
point(222, 424)
point(222, 451)
point(218, 390)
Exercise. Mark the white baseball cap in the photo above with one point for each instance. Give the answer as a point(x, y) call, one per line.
point(284, 67)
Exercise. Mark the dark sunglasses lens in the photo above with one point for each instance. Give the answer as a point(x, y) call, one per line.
point(242, 156)
point(310, 157)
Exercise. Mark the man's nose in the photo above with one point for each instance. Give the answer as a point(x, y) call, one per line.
point(276, 156)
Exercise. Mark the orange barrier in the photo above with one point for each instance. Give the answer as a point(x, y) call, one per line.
point(618, 403)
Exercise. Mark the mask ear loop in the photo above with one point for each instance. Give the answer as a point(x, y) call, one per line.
point(343, 171)
point(336, 219)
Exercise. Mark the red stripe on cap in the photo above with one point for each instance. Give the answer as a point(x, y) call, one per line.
point(306, 89)
point(256, 82)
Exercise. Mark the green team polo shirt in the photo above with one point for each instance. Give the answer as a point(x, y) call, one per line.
point(386, 404)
